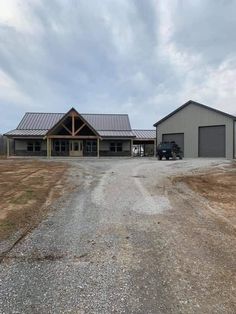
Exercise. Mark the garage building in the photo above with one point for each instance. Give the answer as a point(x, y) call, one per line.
point(199, 130)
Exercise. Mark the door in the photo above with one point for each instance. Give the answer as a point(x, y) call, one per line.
point(178, 138)
point(212, 141)
point(76, 148)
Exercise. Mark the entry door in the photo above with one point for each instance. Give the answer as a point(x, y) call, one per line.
point(76, 148)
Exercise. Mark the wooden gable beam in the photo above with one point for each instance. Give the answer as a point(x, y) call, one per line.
point(79, 129)
point(73, 124)
point(66, 128)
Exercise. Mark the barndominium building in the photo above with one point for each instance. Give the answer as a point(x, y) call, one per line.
point(74, 134)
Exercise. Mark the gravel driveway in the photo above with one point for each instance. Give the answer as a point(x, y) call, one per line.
point(125, 240)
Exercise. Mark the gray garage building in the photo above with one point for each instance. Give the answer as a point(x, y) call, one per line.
point(199, 130)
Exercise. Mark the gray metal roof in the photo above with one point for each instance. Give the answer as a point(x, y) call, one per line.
point(39, 121)
point(108, 122)
point(128, 134)
point(105, 122)
point(108, 125)
point(145, 134)
point(18, 132)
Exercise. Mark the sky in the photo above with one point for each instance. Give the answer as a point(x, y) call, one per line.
point(141, 57)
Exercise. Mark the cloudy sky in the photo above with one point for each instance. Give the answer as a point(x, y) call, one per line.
point(142, 57)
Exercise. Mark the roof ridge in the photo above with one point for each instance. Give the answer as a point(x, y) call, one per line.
point(189, 102)
point(32, 129)
point(130, 130)
point(108, 114)
point(102, 114)
point(37, 112)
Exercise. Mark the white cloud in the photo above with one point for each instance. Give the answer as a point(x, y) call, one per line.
point(10, 92)
point(140, 57)
point(17, 14)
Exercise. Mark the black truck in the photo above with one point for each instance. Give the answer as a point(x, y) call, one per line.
point(169, 150)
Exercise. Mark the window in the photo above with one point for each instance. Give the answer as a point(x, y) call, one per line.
point(34, 146)
point(63, 146)
point(37, 146)
point(119, 147)
point(112, 147)
point(57, 146)
point(94, 146)
point(91, 146)
point(116, 147)
point(30, 146)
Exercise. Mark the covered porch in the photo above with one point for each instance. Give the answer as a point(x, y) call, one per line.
point(72, 136)
point(144, 145)
point(72, 147)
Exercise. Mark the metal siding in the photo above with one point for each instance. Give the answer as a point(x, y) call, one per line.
point(189, 120)
point(105, 148)
point(21, 144)
point(212, 141)
point(197, 104)
point(105, 144)
point(2, 145)
point(178, 138)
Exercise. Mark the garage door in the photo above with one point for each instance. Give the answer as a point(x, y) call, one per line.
point(178, 138)
point(212, 141)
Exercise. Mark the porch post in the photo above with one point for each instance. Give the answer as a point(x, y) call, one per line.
point(48, 147)
point(73, 125)
point(98, 147)
point(154, 148)
point(8, 147)
point(131, 147)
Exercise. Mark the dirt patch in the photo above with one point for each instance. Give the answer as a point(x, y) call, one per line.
point(218, 187)
point(27, 189)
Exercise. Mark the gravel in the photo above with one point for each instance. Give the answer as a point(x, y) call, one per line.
point(124, 240)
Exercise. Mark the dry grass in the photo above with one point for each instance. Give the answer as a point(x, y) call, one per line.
point(219, 187)
point(25, 186)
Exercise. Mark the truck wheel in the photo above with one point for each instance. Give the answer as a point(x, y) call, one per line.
point(159, 157)
point(167, 158)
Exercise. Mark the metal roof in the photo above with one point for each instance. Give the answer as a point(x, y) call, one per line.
point(18, 132)
point(145, 134)
point(194, 103)
point(39, 121)
point(107, 125)
point(108, 122)
point(128, 134)
point(104, 122)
